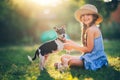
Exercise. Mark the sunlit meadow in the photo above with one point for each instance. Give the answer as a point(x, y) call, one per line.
point(14, 65)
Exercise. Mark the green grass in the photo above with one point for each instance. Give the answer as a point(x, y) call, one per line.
point(14, 65)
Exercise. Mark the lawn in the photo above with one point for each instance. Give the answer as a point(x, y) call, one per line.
point(14, 65)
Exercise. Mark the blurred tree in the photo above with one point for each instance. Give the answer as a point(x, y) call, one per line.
point(23, 22)
point(115, 15)
point(12, 24)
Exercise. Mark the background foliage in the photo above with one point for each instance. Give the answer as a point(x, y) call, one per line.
point(22, 22)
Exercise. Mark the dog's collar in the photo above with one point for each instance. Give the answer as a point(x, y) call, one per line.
point(61, 40)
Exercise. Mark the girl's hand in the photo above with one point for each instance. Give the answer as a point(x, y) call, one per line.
point(68, 46)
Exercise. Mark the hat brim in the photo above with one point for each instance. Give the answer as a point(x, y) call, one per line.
point(80, 12)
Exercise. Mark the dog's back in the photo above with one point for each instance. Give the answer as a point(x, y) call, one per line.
point(48, 47)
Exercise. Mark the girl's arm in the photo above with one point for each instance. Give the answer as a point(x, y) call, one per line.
point(90, 43)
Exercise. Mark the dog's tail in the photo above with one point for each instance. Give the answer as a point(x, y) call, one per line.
point(36, 54)
point(29, 58)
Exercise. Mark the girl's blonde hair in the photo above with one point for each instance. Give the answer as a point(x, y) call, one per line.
point(85, 27)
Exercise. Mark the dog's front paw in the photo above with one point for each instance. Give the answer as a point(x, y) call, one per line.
point(42, 68)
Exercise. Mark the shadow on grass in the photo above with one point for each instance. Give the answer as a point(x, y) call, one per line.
point(105, 73)
point(44, 75)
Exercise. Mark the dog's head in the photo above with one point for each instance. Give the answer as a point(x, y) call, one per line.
point(60, 30)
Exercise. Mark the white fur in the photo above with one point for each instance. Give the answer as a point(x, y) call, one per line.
point(59, 44)
point(30, 59)
point(42, 60)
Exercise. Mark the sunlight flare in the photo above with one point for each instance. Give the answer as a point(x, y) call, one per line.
point(46, 2)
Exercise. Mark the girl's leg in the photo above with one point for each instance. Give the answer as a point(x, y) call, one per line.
point(71, 61)
point(76, 62)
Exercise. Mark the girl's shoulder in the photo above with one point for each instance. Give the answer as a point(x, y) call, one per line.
point(93, 29)
point(90, 30)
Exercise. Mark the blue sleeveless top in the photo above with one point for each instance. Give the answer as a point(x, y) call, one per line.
point(97, 57)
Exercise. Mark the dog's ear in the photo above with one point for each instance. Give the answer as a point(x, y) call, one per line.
point(63, 26)
point(55, 28)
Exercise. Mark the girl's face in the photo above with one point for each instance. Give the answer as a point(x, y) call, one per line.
point(86, 19)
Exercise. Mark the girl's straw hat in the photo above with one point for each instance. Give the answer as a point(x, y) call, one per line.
point(88, 9)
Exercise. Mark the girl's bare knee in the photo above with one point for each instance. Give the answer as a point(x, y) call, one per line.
point(74, 62)
point(62, 58)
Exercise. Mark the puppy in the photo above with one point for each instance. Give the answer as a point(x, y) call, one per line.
point(51, 46)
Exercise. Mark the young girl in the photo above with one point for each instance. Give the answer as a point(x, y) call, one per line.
point(93, 56)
